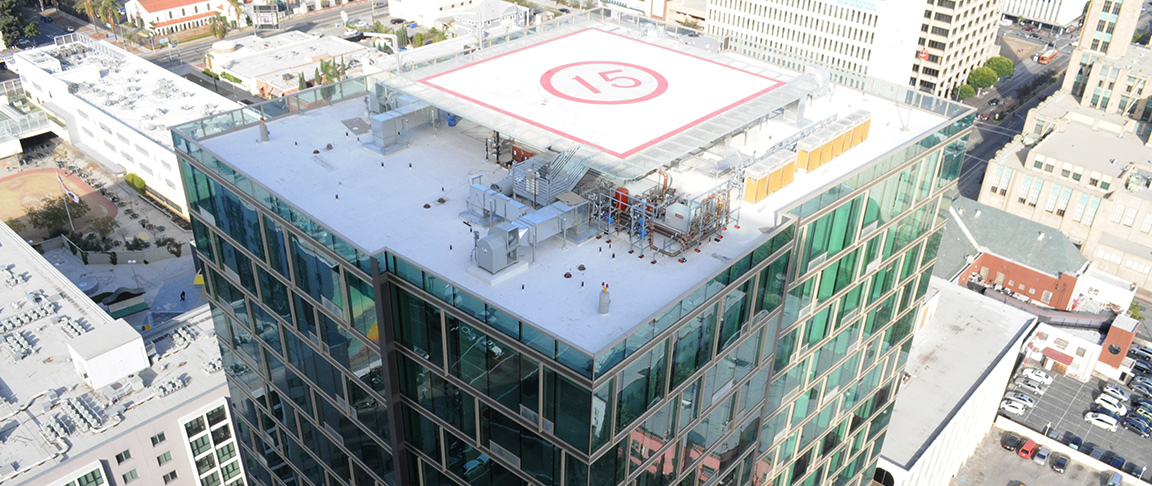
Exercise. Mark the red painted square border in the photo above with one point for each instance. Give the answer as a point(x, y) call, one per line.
point(428, 81)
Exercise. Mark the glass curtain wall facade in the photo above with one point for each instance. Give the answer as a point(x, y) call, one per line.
point(350, 368)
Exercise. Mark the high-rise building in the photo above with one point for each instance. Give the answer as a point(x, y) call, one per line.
point(1110, 71)
point(88, 401)
point(1081, 165)
point(870, 38)
point(955, 38)
point(589, 254)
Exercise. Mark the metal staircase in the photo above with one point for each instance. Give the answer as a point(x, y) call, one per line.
point(540, 179)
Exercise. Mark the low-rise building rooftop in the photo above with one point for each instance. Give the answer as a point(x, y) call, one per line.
point(49, 413)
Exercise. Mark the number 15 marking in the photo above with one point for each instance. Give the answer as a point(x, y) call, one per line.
point(605, 75)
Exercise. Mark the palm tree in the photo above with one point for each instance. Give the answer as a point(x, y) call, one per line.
point(89, 7)
point(108, 11)
point(218, 25)
point(237, 9)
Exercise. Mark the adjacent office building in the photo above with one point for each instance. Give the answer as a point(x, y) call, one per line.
point(955, 38)
point(871, 38)
point(569, 258)
point(87, 401)
point(117, 107)
point(1110, 71)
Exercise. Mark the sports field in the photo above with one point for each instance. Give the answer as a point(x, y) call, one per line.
point(24, 190)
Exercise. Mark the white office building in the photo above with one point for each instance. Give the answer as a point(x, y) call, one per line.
point(427, 12)
point(87, 400)
point(1054, 13)
point(955, 38)
point(117, 107)
point(865, 37)
point(958, 367)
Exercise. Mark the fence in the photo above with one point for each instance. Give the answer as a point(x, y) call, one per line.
point(114, 256)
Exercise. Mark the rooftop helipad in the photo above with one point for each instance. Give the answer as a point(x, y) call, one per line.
point(618, 94)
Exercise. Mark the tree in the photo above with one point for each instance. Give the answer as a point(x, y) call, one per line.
point(303, 82)
point(104, 225)
point(52, 215)
point(965, 91)
point(418, 39)
point(401, 37)
point(1002, 65)
point(135, 181)
point(89, 8)
point(236, 7)
point(109, 12)
point(11, 24)
point(218, 25)
point(32, 30)
point(1135, 311)
point(982, 77)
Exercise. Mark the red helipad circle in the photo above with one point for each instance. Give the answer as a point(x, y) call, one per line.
point(604, 82)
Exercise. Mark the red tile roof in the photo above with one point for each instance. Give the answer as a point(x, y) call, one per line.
point(184, 19)
point(1057, 356)
point(153, 6)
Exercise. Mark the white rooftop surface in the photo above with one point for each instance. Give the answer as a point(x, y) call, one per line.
point(382, 207)
point(140, 94)
point(300, 53)
point(593, 87)
point(103, 339)
point(24, 382)
point(950, 355)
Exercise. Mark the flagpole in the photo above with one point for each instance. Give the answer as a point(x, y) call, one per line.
point(64, 196)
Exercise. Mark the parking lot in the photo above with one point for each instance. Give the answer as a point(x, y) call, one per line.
point(1060, 412)
point(992, 465)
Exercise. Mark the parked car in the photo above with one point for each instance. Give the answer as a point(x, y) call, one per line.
point(1074, 444)
point(1116, 392)
point(69, 29)
point(1142, 366)
point(1116, 461)
point(397, 21)
point(1023, 398)
point(1143, 412)
point(1104, 421)
point(1005, 22)
point(1138, 401)
point(1027, 450)
point(1010, 441)
point(1111, 404)
point(1059, 463)
point(994, 101)
point(1137, 426)
point(1143, 388)
point(46, 19)
point(1142, 420)
point(1028, 385)
point(564, 10)
point(1037, 375)
point(1013, 407)
point(1041, 456)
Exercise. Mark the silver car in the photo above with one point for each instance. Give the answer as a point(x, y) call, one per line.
point(1028, 385)
point(1023, 398)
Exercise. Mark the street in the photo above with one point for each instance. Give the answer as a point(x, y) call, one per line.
point(990, 136)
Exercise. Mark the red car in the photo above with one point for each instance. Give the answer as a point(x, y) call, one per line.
point(1028, 449)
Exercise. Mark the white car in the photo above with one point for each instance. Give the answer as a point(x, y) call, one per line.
point(1013, 407)
point(1117, 392)
point(1028, 385)
point(1101, 420)
point(1041, 456)
point(1024, 399)
point(1005, 22)
point(1111, 404)
point(1039, 376)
